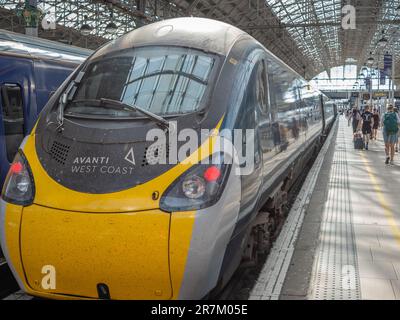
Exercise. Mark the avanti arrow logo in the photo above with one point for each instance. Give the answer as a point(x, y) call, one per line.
point(130, 157)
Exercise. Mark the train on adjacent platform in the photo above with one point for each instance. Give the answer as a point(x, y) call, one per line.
point(87, 197)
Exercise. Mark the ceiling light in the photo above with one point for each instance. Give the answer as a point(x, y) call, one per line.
point(371, 59)
point(382, 41)
point(86, 29)
point(111, 28)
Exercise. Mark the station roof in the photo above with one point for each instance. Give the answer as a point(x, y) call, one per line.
point(306, 34)
point(309, 33)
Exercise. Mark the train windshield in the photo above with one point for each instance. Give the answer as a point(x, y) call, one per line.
point(161, 80)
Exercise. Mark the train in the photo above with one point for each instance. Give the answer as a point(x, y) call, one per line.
point(110, 198)
point(31, 71)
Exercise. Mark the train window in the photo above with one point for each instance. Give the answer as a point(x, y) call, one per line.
point(163, 80)
point(13, 118)
point(261, 87)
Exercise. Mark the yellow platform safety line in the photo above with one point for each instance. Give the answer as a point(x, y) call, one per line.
point(386, 208)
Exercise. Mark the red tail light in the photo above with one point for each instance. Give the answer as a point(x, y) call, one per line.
point(18, 186)
point(212, 174)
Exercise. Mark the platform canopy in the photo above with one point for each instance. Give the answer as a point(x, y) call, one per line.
point(306, 34)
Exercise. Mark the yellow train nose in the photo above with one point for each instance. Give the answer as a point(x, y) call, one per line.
point(126, 253)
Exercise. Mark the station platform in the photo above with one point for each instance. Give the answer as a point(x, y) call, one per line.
point(342, 237)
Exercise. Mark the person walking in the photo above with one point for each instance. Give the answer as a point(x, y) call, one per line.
point(348, 116)
point(390, 123)
point(376, 122)
point(367, 119)
point(356, 117)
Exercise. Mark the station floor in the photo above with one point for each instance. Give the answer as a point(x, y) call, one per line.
point(349, 243)
point(357, 253)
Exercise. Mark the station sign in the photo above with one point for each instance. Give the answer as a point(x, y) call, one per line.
point(366, 96)
point(380, 95)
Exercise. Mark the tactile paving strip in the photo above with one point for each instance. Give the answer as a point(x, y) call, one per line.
point(336, 275)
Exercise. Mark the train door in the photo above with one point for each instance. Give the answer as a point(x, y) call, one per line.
point(13, 118)
point(16, 94)
point(263, 111)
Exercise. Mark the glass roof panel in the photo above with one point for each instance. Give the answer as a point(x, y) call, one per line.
point(313, 25)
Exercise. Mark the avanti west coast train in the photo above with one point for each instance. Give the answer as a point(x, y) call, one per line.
point(120, 227)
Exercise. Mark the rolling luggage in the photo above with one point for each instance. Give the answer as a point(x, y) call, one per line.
point(358, 141)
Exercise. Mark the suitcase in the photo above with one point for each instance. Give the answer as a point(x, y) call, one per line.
point(358, 141)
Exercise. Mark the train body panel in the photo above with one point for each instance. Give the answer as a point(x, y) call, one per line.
point(210, 236)
point(116, 266)
point(202, 217)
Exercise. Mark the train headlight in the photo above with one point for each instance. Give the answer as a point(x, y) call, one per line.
point(198, 188)
point(194, 187)
point(19, 187)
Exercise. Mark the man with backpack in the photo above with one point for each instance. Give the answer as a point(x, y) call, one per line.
point(390, 122)
point(367, 119)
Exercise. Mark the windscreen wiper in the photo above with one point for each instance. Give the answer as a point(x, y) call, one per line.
point(126, 107)
point(66, 97)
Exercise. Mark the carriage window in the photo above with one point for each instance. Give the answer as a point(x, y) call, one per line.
point(13, 118)
point(262, 94)
point(163, 80)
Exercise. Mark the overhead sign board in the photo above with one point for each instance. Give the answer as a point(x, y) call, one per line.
point(380, 95)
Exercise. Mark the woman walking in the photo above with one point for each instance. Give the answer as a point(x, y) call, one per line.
point(356, 117)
